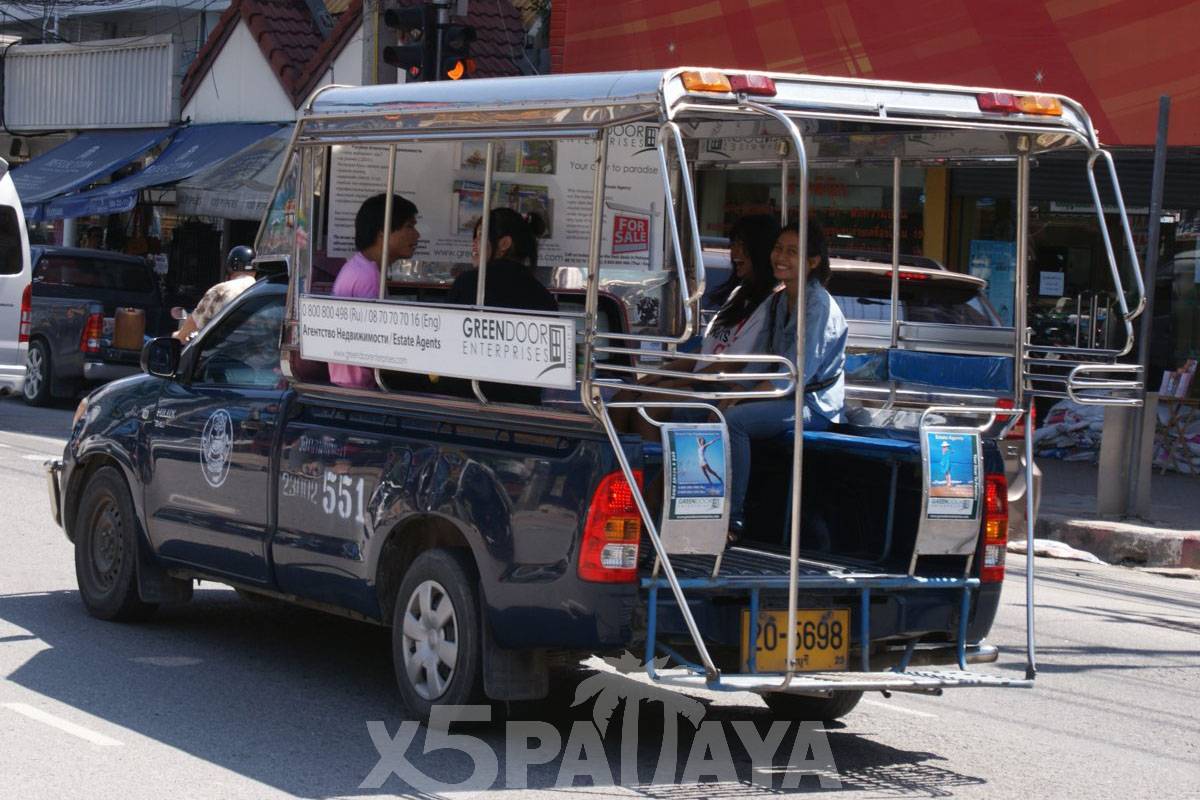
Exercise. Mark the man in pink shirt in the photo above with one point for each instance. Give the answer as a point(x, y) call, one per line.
point(359, 276)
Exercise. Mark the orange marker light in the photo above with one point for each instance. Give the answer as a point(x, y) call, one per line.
point(706, 81)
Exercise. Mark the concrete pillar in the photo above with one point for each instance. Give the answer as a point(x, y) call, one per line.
point(1112, 479)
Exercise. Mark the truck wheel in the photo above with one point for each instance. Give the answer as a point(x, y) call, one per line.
point(37, 374)
point(106, 550)
point(805, 707)
point(436, 634)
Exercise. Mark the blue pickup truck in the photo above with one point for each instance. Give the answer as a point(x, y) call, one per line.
point(499, 535)
point(480, 539)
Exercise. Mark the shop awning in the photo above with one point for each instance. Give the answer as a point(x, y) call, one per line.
point(193, 149)
point(83, 160)
point(239, 187)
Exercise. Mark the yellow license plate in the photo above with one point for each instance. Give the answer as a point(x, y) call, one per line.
point(822, 640)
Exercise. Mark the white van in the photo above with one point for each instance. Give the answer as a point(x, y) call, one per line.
point(15, 286)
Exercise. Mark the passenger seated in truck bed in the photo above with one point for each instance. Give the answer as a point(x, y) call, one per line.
point(359, 276)
point(511, 253)
point(823, 383)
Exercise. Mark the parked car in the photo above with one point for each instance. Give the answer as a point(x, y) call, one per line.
point(14, 286)
point(76, 295)
point(929, 293)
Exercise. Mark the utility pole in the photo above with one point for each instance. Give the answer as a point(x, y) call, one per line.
point(1146, 326)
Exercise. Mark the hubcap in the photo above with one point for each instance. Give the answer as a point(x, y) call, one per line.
point(108, 546)
point(430, 634)
point(33, 372)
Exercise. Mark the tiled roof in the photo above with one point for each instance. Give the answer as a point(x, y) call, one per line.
point(289, 40)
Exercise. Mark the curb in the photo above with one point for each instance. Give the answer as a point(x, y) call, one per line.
point(1124, 542)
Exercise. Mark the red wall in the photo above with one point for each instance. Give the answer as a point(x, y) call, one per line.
point(1114, 56)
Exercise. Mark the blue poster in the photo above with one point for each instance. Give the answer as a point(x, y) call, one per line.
point(996, 263)
point(697, 472)
point(952, 474)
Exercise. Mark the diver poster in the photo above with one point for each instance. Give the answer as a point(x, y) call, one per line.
point(952, 474)
point(698, 485)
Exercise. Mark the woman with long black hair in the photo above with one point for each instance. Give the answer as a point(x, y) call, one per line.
point(739, 323)
point(511, 257)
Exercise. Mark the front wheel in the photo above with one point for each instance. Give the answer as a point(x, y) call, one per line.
point(106, 550)
point(37, 374)
point(806, 707)
point(437, 634)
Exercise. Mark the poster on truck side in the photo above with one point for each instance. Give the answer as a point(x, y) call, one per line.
point(952, 479)
point(696, 485)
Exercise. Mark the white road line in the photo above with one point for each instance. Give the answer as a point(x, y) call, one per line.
point(895, 707)
point(37, 457)
point(63, 725)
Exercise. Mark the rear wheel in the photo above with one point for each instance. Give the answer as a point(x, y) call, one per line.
point(437, 634)
point(37, 374)
point(805, 707)
point(106, 550)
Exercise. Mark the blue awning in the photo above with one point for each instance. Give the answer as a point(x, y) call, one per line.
point(194, 148)
point(83, 160)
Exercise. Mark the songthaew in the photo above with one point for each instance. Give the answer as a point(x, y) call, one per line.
point(510, 421)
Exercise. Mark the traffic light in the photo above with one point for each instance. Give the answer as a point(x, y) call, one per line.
point(416, 34)
point(456, 52)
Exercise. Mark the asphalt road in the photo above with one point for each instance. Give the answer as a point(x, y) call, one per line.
point(231, 699)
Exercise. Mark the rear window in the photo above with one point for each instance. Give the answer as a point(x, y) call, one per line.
point(93, 273)
point(946, 302)
point(10, 241)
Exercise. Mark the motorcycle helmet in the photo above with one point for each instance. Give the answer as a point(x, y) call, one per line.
point(239, 259)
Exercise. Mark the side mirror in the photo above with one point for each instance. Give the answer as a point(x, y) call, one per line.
point(160, 357)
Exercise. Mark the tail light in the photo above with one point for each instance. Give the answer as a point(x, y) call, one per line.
point(1006, 103)
point(995, 528)
point(1018, 430)
point(26, 314)
point(609, 552)
point(89, 342)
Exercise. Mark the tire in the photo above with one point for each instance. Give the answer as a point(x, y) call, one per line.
point(805, 707)
point(106, 550)
point(37, 374)
point(437, 649)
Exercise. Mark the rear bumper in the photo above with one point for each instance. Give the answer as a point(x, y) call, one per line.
point(12, 377)
point(54, 470)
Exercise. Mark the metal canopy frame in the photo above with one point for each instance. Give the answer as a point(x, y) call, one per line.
point(586, 106)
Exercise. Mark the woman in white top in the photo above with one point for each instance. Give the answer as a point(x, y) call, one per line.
point(737, 326)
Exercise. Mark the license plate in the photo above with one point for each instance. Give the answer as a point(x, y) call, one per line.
point(822, 640)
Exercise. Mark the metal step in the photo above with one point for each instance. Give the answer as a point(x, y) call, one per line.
point(913, 680)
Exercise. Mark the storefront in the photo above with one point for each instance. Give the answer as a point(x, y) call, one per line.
point(1070, 280)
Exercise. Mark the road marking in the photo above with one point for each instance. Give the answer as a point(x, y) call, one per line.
point(900, 708)
point(37, 456)
point(63, 725)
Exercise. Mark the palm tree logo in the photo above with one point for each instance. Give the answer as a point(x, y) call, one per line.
point(609, 688)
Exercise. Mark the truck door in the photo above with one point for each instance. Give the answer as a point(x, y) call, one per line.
point(209, 495)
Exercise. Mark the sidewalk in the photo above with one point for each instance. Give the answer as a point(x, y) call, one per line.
point(1068, 514)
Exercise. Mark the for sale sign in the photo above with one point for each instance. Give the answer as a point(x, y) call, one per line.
point(630, 234)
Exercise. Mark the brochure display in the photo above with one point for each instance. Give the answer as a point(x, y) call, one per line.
point(952, 491)
point(696, 488)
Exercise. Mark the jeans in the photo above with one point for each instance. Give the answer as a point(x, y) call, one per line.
point(759, 419)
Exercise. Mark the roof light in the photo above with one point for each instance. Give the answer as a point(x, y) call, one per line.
point(706, 81)
point(759, 85)
point(1006, 103)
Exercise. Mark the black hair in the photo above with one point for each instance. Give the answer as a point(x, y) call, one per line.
point(368, 222)
point(757, 233)
point(817, 246)
point(524, 230)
